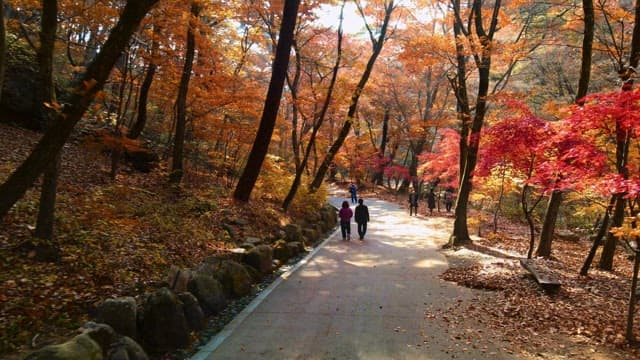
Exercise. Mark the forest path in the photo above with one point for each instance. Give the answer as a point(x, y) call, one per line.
point(380, 298)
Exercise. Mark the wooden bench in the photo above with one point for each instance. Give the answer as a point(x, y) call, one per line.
point(543, 276)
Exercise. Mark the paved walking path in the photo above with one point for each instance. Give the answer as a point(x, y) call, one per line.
point(358, 300)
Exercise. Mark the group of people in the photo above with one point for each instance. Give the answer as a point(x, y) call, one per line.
point(362, 211)
point(431, 201)
point(361, 215)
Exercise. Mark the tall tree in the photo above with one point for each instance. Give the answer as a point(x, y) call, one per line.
point(249, 176)
point(553, 206)
point(177, 166)
point(319, 119)
point(623, 140)
point(3, 47)
point(78, 101)
point(141, 120)
point(48, 29)
point(377, 43)
point(481, 40)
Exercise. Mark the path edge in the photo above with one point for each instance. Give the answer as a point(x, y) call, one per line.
point(228, 329)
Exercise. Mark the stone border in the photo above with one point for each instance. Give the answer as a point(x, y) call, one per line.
point(222, 335)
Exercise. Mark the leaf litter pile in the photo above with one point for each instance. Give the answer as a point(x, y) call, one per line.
point(585, 319)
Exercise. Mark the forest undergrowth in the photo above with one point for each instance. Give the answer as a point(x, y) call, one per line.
point(114, 237)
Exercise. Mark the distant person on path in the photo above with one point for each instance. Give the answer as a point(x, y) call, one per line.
point(431, 201)
point(413, 203)
point(345, 214)
point(354, 193)
point(448, 199)
point(362, 218)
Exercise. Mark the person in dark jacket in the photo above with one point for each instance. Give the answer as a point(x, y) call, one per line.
point(413, 203)
point(431, 201)
point(345, 214)
point(354, 192)
point(362, 218)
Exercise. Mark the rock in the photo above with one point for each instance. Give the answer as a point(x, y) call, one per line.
point(21, 90)
point(141, 159)
point(126, 348)
point(230, 230)
point(311, 235)
point(567, 235)
point(237, 221)
point(235, 279)
point(247, 247)
point(281, 251)
point(102, 334)
point(260, 258)
point(81, 347)
point(292, 233)
point(192, 311)
point(209, 293)
point(296, 247)
point(256, 276)
point(178, 279)
point(120, 314)
point(164, 326)
point(253, 241)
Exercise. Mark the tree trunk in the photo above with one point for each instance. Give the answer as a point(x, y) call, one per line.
point(469, 145)
point(500, 197)
point(632, 297)
point(622, 146)
point(587, 49)
point(321, 116)
point(79, 100)
point(609, 247)
point(3, 47)
point(602, 231)
point(177, 166)
point(141, 121)
point(249, 176)
point(527, 215)
point(548, 227)
point(353, 105)
point(378, 176)
point(48, 27)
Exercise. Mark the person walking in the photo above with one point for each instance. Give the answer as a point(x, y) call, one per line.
point(413, 203)
point(448, 199)
point(345, 214)
point(354, 192)
point(431, 201)
point(362, 218)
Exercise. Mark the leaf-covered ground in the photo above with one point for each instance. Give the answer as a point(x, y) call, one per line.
point(115, 237)
point(585, 319)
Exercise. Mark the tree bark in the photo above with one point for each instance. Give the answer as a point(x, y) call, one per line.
point(355, 97)
point(249, 176)
point(549, 224)
point(321, 116)
point(177, 166)
point(378, 176)
point(79, 100)
point(141, 120)
point(469, 145)
point(632, 297)
point(48, 29)
point(3, 47)
point(622, 147)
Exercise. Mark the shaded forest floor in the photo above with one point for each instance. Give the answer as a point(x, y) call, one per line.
point(114, 237)
point(586, 319)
